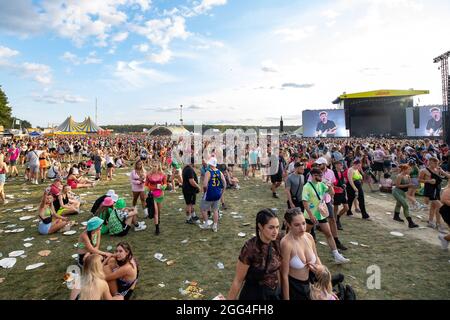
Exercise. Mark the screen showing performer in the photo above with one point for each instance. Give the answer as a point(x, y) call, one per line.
point(325, 127)
point(434, 124)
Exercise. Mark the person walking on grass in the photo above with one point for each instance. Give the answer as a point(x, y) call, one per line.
point(190, 188)
point(403, 183)
point(431, 177)
point(214, 186)
point(316, 211)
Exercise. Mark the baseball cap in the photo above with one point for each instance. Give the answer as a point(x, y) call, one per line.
point(298, 164)
point(323, 112)
point(212, 162)
point(322, 160)
point(435, 109)
point(112, 194)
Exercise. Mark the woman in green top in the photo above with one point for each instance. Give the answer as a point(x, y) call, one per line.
point(49, 222)
point(354, 189)
point(402, 185)
point(89, 241)
point(411, 194)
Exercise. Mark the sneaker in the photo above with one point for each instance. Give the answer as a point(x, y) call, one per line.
point(145, 213)
point(190, 221)
point(5, 201)
point(358, 210)
point(444, 242)
point(275, 196)
point(431, 224)
point(224, 206)
point(141, 227)
point(214, 227)
point(195, 218)
point(340, 259)
point(205, 226)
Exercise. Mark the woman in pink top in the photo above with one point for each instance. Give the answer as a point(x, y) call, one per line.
point(137, 178)
point(14, 153)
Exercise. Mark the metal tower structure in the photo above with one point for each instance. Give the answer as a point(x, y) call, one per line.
point(443, 59)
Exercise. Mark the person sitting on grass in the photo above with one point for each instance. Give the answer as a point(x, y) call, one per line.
point(50, 221)
point(386, 183)
point(93, 285)
point(121, 219)
point(89, 241)
point(121, 272)
point(104, 212)
point(75, 183)
point(65, 204)
point(322, 289)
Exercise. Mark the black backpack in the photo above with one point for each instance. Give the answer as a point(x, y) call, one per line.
point(344, 292)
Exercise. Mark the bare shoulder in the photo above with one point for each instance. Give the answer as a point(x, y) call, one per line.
point(310, 238)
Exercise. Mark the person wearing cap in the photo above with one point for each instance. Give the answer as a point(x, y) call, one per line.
point(121, 219)
point(89, 240)
point(104, 211)
point(49, 222)
point(294, 187)
point(111, 193)
point(214, 186)
point(314, 193)
point(355, 190)
point(329, 178)
point(325, 128)
point(434, 124)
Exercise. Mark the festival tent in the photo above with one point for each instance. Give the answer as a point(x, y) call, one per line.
point(69, 127)
point(35, 134)
point(89, 126)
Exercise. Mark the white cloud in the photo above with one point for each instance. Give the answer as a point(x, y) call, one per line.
point(293, 34)
point(330, 14)
point(143, 47)
point(161, 58)
point(35, 71)
point(58, 98)
point(6, 53)
point(74, 59)
point(207, 5)
point(269, 66)
point(122, 36)
point(135, 75)
point(144, 4)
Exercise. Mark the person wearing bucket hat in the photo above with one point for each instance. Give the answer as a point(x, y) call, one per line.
point(89, 240)
point(104, 211)
point(122, 219)
point(111, 193)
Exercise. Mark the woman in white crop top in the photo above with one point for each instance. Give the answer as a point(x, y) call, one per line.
point(299, 253)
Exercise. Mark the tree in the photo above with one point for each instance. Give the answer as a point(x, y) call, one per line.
point(26, 124)
point(5, 110)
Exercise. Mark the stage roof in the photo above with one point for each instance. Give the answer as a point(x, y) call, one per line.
point(383, 93)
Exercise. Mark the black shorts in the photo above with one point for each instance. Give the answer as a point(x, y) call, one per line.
point(110, 165)
point(320, 221)
point(143, 159)
point(276, 178)
point(377, 166)
point(189, 197)
point(445, 213)
point(432, 192)
point(124, 231)
point(340, 198)
point(254, 166)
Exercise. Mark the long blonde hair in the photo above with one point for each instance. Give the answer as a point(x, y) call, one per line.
point(142, 172)
point(92, 278)
point(322, 286)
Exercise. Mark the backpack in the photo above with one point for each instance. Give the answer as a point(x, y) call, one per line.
point(344, 292)
point(115, 225)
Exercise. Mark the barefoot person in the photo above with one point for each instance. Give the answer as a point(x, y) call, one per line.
point(258, 268)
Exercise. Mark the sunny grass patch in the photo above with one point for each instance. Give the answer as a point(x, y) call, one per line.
point(411, 269)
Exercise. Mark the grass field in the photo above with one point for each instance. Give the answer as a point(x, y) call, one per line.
point(410, 268)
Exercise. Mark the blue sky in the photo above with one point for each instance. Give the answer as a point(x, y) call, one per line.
point(225, 61)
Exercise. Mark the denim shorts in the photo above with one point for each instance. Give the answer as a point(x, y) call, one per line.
point(44, 228)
